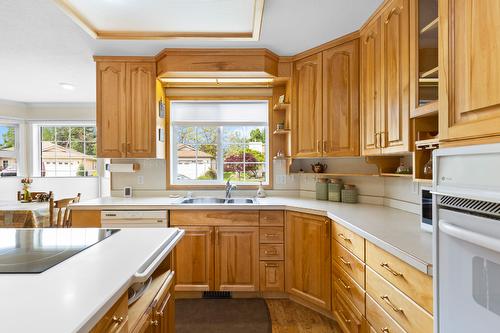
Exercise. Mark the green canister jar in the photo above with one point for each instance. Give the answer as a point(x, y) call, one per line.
point(334, 190)
point(322, 189)
point(350, 194)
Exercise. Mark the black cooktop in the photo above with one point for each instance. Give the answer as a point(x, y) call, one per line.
point(24, 251)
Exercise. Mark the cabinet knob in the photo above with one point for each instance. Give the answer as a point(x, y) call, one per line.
point(154, 322)
point(117, 319)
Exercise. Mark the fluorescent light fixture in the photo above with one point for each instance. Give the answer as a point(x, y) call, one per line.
point(67, 86)
point(218, 80)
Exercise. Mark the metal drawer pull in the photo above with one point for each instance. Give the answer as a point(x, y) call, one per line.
point(347, 263)
point(393, 272)
point(271, 252)
point(341, 314)
point(388, 301)
point(117, 319)
point(344, 238)
point(271, 235)
point(271, 265)
point(385, 330)
point(154, 322)
point(345, 285)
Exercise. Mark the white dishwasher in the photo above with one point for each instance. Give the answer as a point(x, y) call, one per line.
point(134, 218)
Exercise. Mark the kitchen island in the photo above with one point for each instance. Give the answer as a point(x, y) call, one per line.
point(89, 289)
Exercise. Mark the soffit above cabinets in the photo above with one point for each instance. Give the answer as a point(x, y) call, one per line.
point(167, 19)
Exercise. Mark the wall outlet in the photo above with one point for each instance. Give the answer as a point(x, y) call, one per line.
point(140, 180)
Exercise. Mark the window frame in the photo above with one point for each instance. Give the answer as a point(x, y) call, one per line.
point(37, 144)
point(172, 183)
point(17, 153)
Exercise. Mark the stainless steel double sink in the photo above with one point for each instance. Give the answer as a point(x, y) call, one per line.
point(219, 201)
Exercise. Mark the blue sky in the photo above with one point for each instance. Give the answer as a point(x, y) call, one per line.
point(3, 129)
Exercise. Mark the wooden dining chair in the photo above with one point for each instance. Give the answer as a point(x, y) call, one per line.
point(63, 211)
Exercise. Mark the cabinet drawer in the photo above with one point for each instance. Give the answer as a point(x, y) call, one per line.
point(350, 263)
point(272, 218)
point(346, 285)
point(405, 312)
point(115, 320)
point(271, 235)
point(379, 319)
point(412, 282)
point(271, 252)
point(272, 276)
point(214, 217)
point(348, 318)
point(350, 240)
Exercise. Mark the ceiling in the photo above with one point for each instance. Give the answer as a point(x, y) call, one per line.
point(41, 46)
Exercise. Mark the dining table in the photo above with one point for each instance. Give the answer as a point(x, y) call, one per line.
point(18, 214)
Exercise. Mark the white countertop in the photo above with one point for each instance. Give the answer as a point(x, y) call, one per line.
point(73, 295)
point(394, 230)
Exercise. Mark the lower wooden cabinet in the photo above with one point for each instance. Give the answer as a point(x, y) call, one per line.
point(379, 319)
point(348, 317)
point(308, 269)
point(164, 308)
point(145, 323)
point(194, 259)
point(116, 319)
point(272, 276)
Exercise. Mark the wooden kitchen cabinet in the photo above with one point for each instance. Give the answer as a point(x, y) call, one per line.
point(164, 308)
point(395, 135)
point(194, 259)
point(272, 276)
point(145, 323)
point(237, 258)
point(340, 134)
point(307, 111)
point(370, 66)
point(308, 268)
point(127, 118)
point(469, 71)
point(115, 320)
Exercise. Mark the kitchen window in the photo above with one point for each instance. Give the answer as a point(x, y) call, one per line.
point(216, 141)
point(9, 150)
point(65, 150)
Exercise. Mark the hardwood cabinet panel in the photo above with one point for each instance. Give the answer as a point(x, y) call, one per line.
point(307, 255)
point(348, 287)
point(349, 262)
point(405, 311)
point(145, 323)
point(350, 240)
point(395, 77)
point(141, 110)
point(272, 218)
point(164, 307)
point(370, 86)
point(348, 317)
point(271, 235)
point(237, 258)
point(194, 259)
point(340, 100)
point(307, 107)
point(469, 70)
point(415, 284)
point(111, 117)
point(214, 217)
point(115, 320)
point(272, 276)
point(271, 252)
point(85, 218)
point(379, 319)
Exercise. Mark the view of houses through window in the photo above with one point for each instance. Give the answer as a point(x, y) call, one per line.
point(8, 150)
point(68, 151)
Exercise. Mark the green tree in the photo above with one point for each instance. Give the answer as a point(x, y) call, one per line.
point(256, 135)
point(81, 170)
point(48, 134)
point(9, 138)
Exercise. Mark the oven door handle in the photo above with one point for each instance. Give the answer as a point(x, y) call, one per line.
point(469, 236)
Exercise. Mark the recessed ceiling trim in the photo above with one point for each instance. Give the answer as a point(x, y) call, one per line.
point(88, 27)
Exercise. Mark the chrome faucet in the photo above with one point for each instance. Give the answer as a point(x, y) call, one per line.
point(229, 188)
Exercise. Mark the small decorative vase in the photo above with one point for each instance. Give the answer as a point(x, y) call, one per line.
point(26, 192)
point(260, 192)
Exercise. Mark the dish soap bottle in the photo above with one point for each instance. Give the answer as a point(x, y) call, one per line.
point(260, 191)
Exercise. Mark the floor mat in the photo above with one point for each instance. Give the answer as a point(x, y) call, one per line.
point(222, 316)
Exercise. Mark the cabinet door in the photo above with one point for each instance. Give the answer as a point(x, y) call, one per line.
point(370, 88)
point(145, 323)
point(111, 116)
point(307, 256)
point(340, 100)
point(469, 69)
point(194, 260)
point(164, 308)
point(306, 107)
point(272, 276)
point(141, 118)
point(237, 258)
point(395, 77)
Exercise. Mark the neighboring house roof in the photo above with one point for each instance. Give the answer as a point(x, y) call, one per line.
point(51, 150)
point(188, 151)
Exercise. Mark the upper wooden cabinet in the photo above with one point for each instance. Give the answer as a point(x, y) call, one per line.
point(127, 121)
point(370, 88)
point(308, 274)
point(395, 137)
point(469, 70)
point(385, 59)
point(340, 100)
point(306, 105)
point(325, 103)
